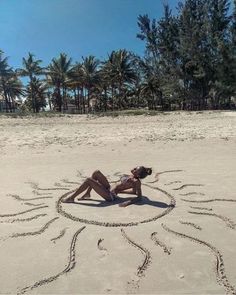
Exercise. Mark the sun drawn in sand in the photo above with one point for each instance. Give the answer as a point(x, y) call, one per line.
point(47, 202)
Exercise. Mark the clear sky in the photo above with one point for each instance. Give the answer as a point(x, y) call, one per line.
point(76, 27)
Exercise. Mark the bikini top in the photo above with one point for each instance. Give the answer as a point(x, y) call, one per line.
point(124, 178)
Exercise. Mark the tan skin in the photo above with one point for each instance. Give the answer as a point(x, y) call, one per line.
point(100, 184)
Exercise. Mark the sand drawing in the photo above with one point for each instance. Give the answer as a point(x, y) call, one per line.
point(186, 185)
point(70, 182)
point(228, 222)
point(71, 264)
point(22, 212)
point(61, 234)
point(37, 188)
point(209, 200)
point(18, 198)
point(63, 212)
point(145, 252)
point(172, 182)
point(192, 193)
point(219, 265)
point(100, 247)
point(162, 172)
point(191, 224)
point(23, 219)
point(35, 192)
point(33, 205)
point(157, 242)
point(60, 185)
point(34, 233)
point(201, 208)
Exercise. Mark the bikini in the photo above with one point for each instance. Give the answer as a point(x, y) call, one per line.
point(123, 179)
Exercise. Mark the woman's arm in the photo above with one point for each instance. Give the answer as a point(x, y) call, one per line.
point(130, 202)
point(128, 191)
point(137, 190)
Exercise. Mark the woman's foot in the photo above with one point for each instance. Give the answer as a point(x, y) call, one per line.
point(68, 200)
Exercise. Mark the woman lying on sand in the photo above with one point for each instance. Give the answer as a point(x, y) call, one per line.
point(128, 184)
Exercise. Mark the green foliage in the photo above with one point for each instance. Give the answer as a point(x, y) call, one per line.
point(192, 56)
point(10, 86)
point(189, 64)
point(58, 73)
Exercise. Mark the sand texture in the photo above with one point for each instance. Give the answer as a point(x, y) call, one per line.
point(179, 240)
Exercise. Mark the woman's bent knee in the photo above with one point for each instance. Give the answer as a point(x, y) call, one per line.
point(89, 180)
point(96, 172)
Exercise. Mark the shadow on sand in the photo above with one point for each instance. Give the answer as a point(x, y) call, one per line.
point(102, 203)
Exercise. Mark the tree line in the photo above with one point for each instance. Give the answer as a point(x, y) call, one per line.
point(189, 64)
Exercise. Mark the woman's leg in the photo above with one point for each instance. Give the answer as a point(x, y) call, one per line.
point(101, 178)
point(93, 184)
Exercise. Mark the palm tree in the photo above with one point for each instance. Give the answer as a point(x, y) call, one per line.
point(120, 69)
point(40, 93)
point(102, 87)
point(13, 89)
point(58, 75)
point(76, 84)
point(6, 73)
point(90, 75)
point(31, 68)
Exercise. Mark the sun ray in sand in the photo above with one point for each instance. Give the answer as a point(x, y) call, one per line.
point(34, 233)
point(61, 234)
point(191, 224)
point(23, 219)
point(186, 185)
point(162, 172)
point(160, 243)
point(209, 200)
point(192, 193)
point(219, 265)
point(228, 222)
point(71, 264)
point(23, 212)
point(147, 256)
point(33, 205)
point(27, 199)
point(37, 188)
point(201, 208)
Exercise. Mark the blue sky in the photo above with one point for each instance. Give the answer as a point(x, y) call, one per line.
point(76, 27)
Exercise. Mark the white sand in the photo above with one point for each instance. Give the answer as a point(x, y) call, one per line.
point(148, 248)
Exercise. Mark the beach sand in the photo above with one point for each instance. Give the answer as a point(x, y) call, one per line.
point(179, 240)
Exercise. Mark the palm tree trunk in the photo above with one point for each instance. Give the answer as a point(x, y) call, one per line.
point(105, 97)
point(83, 100)
point(77, 97)
point(112, 98)
point(80, 100)
point(88, 99)
point(49, 101)
point(59, 99)
point(32, 98)
point(119, 100)
point(5, 96)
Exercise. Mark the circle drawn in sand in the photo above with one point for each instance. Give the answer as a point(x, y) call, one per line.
point(75, 212)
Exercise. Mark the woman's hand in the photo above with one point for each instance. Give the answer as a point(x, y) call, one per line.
point(129, 202)
point(125, 204)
